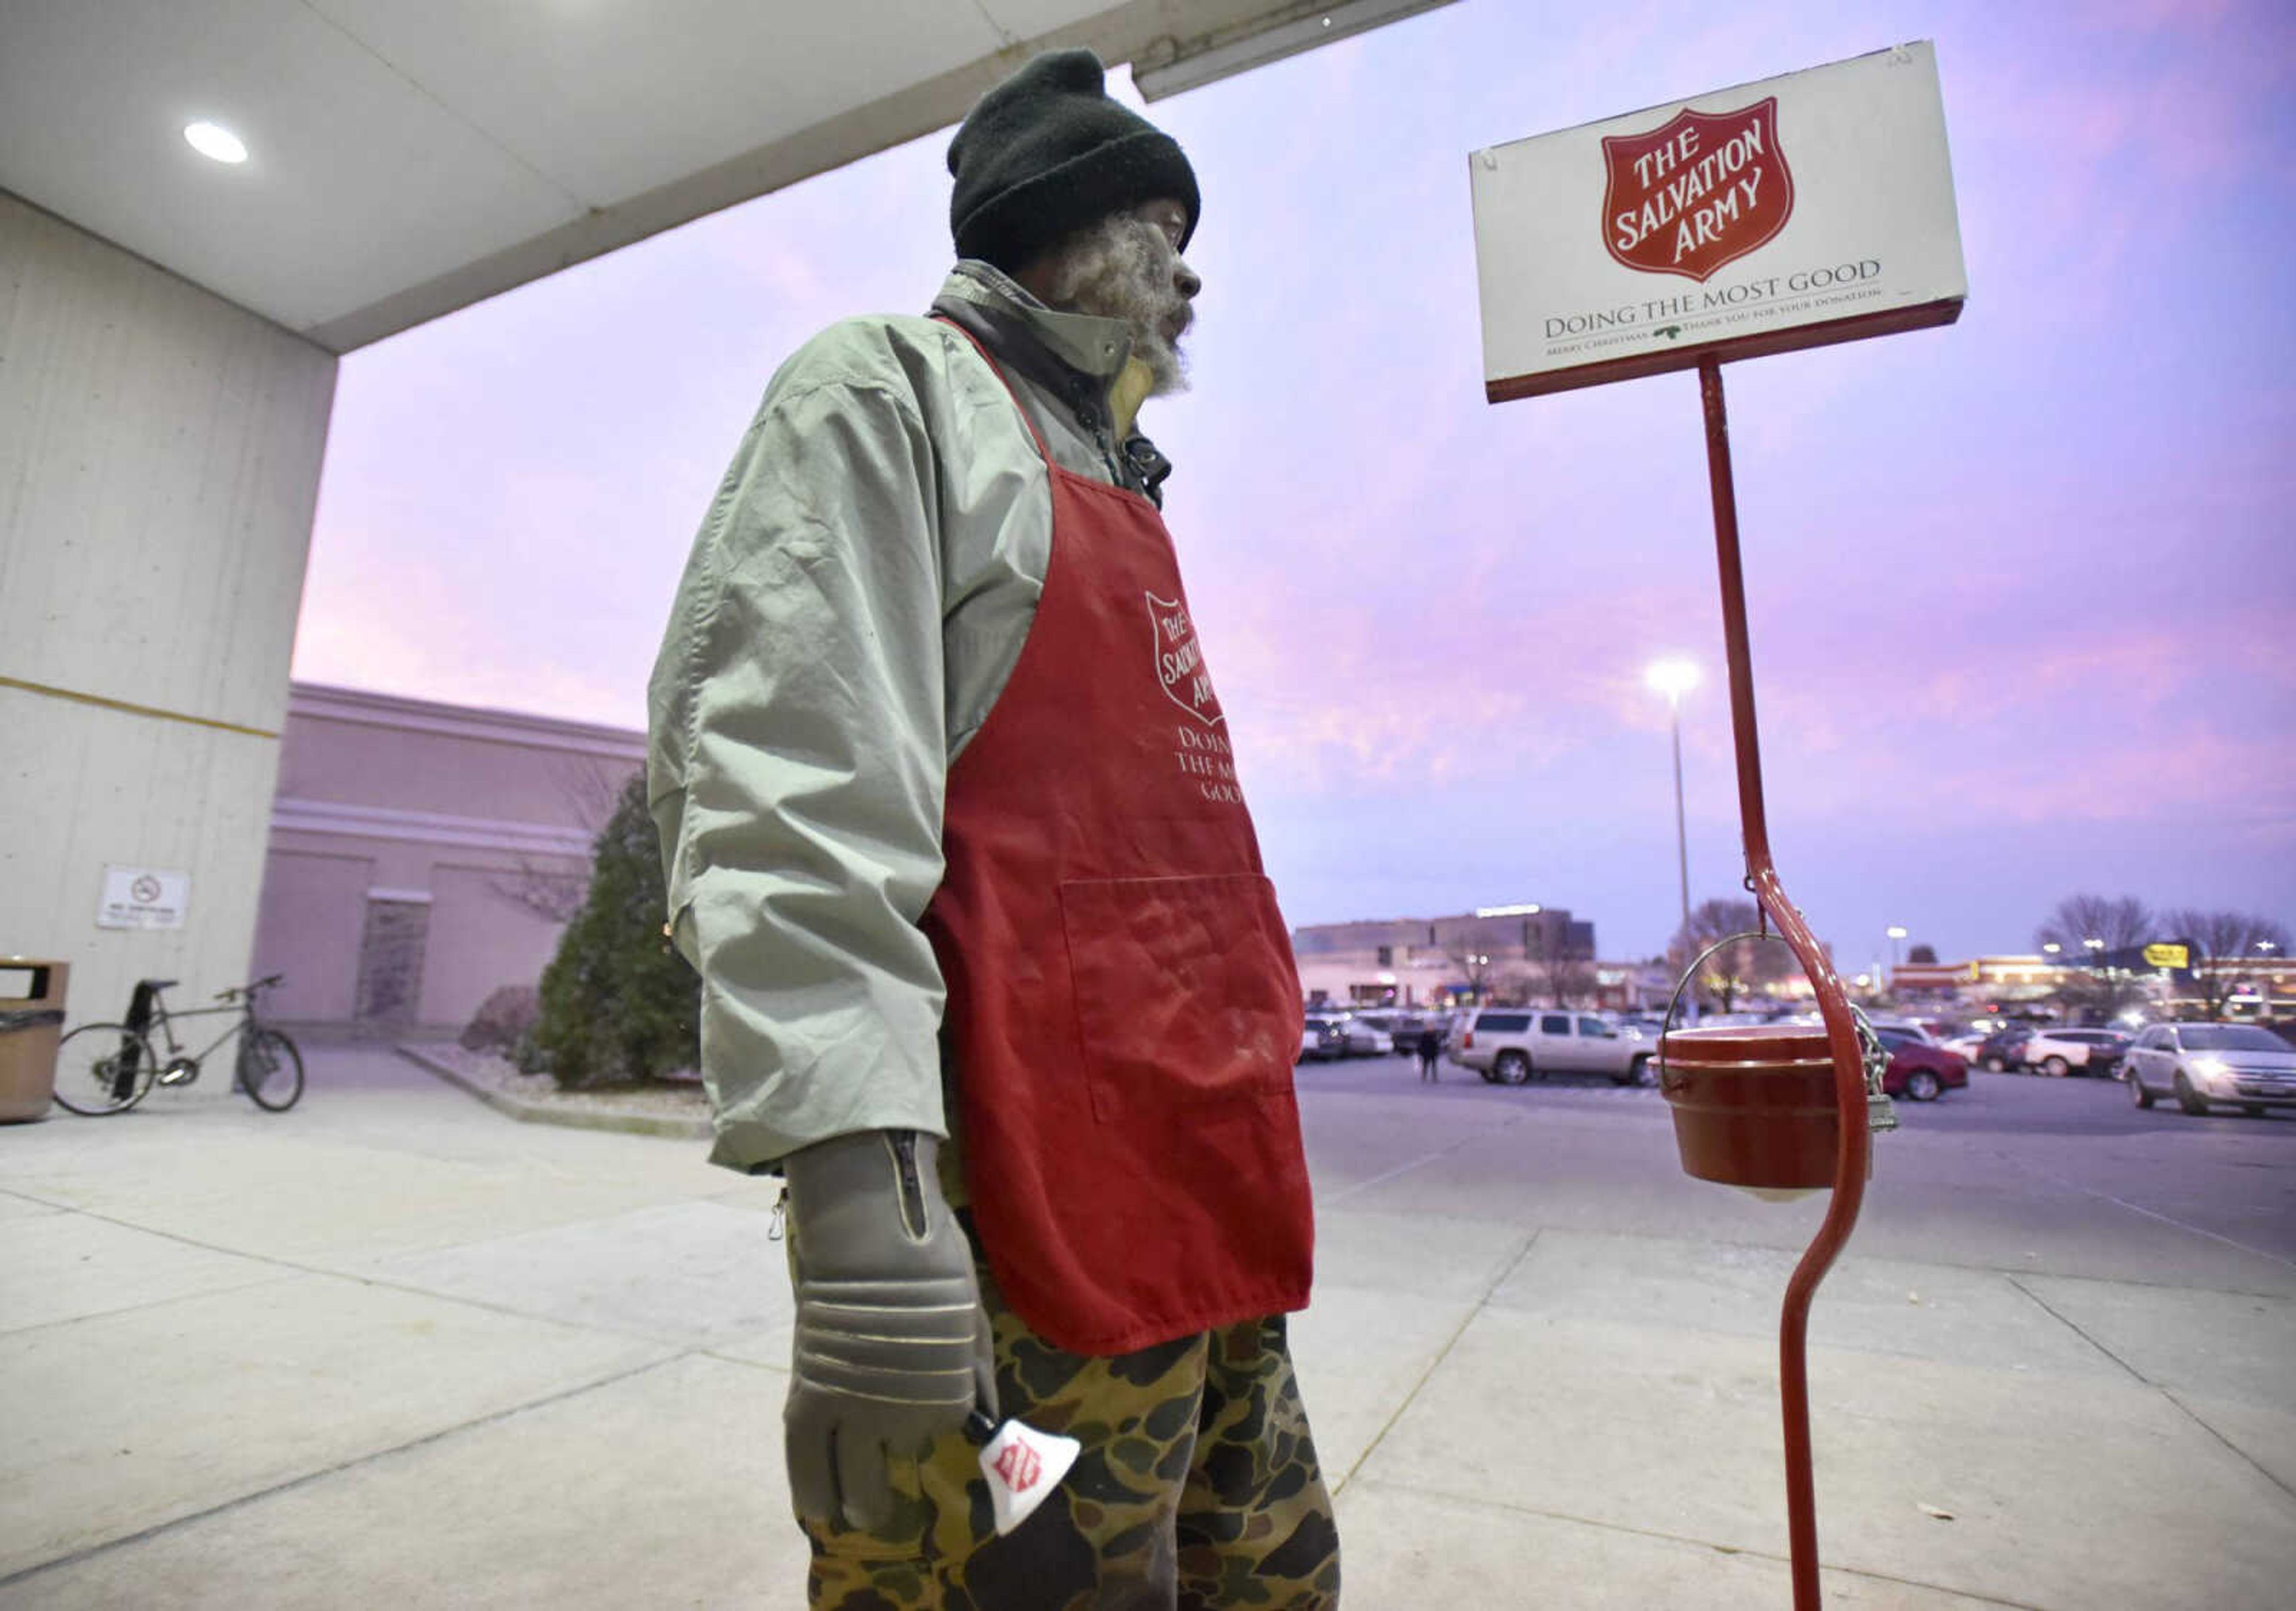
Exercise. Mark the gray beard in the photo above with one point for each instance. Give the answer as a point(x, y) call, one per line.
point(1117, 269)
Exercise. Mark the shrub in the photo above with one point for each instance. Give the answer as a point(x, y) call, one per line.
point(617, 1002)
point(505, 1016)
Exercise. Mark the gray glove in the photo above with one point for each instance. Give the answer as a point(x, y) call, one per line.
point(893, 1347)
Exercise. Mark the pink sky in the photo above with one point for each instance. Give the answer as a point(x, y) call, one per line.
point(2021, 589)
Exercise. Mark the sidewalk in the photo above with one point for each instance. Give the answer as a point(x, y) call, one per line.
point(394, 1349)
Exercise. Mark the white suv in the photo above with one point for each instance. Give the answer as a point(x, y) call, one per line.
point(2202, 1063)
point(2060, 1052)
point(1507, 1045)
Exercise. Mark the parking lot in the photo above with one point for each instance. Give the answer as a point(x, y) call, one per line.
point(2069, 1165)
point(395, 1348)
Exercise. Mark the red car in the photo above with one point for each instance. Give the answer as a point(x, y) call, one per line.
point(1919, 1070)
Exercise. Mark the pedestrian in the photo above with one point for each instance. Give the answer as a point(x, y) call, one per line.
point(1430, 1051)
point(991, 971)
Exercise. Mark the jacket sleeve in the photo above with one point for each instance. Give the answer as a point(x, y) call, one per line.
point(797, 767)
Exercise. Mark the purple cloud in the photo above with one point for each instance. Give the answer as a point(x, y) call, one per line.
point(2020, 588)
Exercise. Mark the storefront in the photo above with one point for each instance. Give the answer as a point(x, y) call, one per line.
point(423, 855)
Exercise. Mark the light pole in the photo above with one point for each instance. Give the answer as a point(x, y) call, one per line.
point(1896, 934)
point(1673, 678)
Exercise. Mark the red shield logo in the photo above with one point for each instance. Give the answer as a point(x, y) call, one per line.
point(1701, 190)
point(1018, 1466)
point(1180, 661)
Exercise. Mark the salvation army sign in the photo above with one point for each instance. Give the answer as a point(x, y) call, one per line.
point(1810, 209)
point(1698, 193)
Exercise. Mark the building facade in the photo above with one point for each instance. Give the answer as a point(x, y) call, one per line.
point(423, 855)
point(2262, 986)
point(159, 449)
point(1495, 953)
point(420, 856)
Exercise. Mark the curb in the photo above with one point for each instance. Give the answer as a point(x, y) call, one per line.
point(542, 1113)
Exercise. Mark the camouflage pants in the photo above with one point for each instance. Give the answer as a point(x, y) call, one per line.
point(1198, 1487)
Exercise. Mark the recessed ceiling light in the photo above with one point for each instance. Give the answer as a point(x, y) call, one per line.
point(213, 139)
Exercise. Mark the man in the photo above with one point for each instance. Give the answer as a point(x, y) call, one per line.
point(990, 970)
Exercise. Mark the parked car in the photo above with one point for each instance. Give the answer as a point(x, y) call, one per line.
point(1507, 1045)
point(1321, 1039)
point(2199, 1063)
point(1357, 1038)
point(1398, 1030)
point(2058, 1052)
point(1380, 1021)
point(1366, 1037)
point(1918, 1069)
point(1970, 1046)
point(1403, 1030)
point(2005, 1048)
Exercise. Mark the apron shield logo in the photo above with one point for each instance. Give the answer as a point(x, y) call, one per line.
point(1180, 660)
point(1701, 191)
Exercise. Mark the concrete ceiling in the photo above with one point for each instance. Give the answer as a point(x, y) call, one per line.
point(411, 157)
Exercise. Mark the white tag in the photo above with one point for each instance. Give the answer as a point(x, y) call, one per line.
point(1022, 1466)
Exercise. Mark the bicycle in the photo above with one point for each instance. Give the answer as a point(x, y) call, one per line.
point(103, 1068)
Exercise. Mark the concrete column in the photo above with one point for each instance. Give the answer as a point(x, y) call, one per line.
point(159, 454)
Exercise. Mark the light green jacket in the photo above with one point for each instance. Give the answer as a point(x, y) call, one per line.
point(855, 601)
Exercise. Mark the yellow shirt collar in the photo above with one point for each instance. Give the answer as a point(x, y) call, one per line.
point(1127, 393)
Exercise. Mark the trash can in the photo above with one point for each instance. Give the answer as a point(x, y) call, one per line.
point(31, 1022)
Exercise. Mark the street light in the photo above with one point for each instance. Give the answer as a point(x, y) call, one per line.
point(1890, 982)
point(1673, 678)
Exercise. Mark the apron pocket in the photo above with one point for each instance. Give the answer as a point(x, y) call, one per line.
point(1185, 991)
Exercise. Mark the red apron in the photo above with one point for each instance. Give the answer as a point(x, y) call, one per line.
point(1123, 1009)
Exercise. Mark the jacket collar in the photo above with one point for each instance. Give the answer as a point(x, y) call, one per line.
point(1076, 357)
point(1089, 346)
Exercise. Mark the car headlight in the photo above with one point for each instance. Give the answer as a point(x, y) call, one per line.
point(2215, 1070)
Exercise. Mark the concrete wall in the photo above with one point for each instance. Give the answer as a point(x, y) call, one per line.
point(403, 837)
point(159, 454)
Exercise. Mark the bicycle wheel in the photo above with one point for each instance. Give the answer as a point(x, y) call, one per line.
point(103, 1068)
point(270, 1069)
